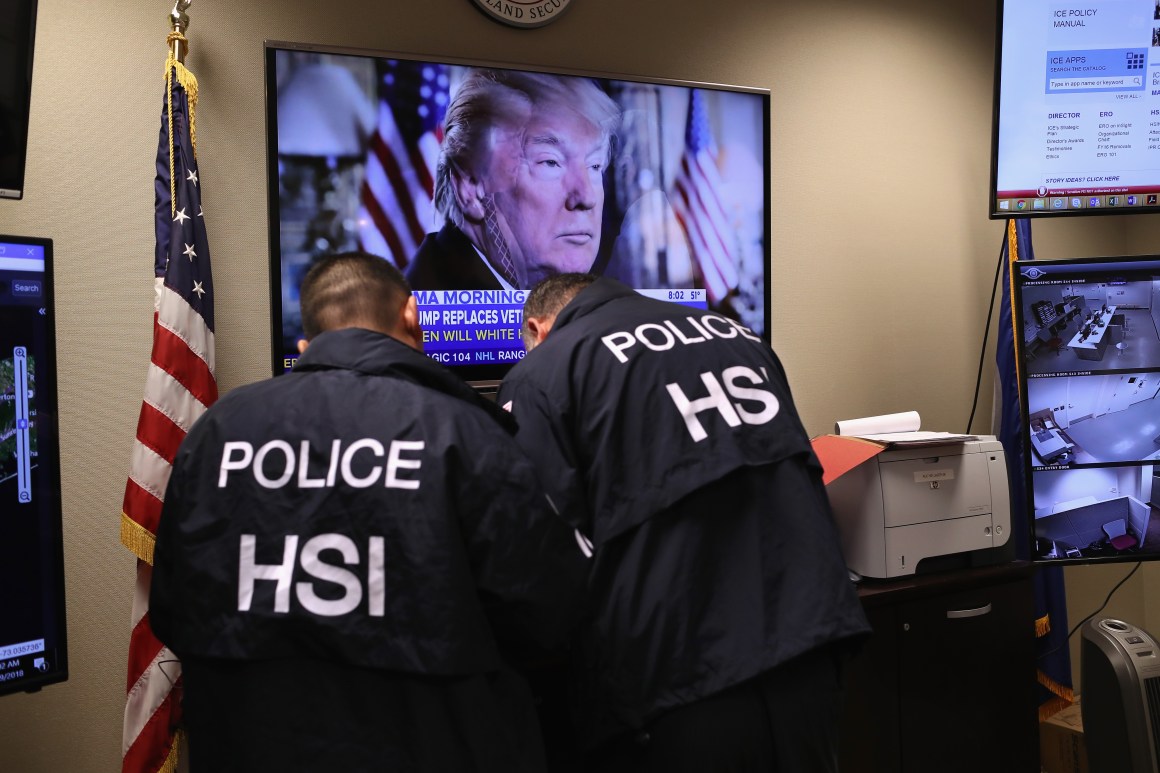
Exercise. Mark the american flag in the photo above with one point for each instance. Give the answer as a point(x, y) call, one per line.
point(179, 388)
point(697, 203)
point(397, 198)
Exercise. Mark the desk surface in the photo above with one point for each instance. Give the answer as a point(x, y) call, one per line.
point(881, 592)
point(1098, 331)
point(1048, 444)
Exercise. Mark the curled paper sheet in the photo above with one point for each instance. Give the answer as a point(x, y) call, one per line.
point(877, 425)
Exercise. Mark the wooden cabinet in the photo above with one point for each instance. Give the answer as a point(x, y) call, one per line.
point(947, 682)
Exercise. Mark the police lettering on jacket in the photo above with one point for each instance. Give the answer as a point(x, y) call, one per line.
point(359, 464)
point(736, 392)
point(280, 457)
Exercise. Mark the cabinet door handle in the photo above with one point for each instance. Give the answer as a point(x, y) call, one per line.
point(955, 614)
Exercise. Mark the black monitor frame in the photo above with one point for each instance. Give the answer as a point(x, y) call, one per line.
point(994, 213)
point(484, 377)
point(16, 79)
point(1047, 366)
point(46, 555)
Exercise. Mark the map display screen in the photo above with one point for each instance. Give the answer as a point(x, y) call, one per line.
point(32, 618)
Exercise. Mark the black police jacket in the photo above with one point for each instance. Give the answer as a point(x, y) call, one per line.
point(669, 437)
point(343, 553)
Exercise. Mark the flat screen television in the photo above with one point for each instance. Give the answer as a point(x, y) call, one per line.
point(1077, 108)
point(477, 180)
point(17, 34)
point(1089, 354)
point(33, 650)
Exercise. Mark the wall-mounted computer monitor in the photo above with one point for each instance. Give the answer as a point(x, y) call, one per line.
point(479, 180)
point(32, 614)
point(1077, 108)
point(17, 35)
point(1089, 349)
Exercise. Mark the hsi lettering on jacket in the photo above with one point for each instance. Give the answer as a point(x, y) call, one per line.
point(274, 464)
point(310, 561)
point(719, 391)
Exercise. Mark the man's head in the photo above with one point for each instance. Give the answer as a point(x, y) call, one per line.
point(521, 172)
point(355, 289)
point(545, 302)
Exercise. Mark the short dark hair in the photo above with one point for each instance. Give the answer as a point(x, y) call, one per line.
point(551, 295)
point(352, 289)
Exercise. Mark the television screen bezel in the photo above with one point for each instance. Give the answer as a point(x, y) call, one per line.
point(486, 378)
point(17, 194)
point(1019, 321)
point(993, 190)
point(48, 416)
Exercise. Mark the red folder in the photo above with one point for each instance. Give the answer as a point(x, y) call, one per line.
point(840, 453)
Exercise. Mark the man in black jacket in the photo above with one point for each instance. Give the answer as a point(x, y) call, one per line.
point(720, 601)
point(346, 550)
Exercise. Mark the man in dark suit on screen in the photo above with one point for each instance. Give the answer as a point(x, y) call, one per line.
point(520, 180)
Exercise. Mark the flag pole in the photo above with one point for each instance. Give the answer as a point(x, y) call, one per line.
point(179, 22)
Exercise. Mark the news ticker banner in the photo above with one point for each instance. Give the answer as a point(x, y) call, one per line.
point(482, 327)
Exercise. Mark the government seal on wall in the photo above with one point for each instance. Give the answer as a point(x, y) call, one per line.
point(523, 13)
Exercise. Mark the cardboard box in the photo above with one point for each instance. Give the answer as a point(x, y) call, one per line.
point(1061, 742)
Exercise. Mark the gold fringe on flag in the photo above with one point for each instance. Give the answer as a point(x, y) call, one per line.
point(1064, 696)
point(189, 83)
point(1052, 707)
point(137, 538)
point(1012, 256)
point(1043, 626)
point(170, 764)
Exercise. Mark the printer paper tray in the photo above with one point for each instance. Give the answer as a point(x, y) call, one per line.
point(907, 545)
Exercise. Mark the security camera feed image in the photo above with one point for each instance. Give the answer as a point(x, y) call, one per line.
point(1078, 93)
point(1094, 419)
point(32, 621)
point(1090, 362)
point(1090, 325)
point(479, 181)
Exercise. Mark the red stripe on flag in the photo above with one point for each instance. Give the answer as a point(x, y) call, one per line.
point(174, 356)
point(141, 506)
point(157, 432)
point(399, 183)
point(143, 648)
point(385, 226)
point(711, 206)
point(421, 169)
point(151, 748)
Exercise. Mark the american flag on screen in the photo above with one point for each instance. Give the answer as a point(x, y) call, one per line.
point(697, 201)
point(178, 389)
point(396, 207)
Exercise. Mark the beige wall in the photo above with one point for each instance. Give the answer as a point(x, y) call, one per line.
point(882, 256)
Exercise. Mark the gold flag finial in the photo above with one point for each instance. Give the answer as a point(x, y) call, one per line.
point(179, 21)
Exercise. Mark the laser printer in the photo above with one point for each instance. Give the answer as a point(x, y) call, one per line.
point(911, 503)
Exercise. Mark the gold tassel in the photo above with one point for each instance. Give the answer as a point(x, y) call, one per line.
point(189, 83)
point(1043, 626)
point(137, 538)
